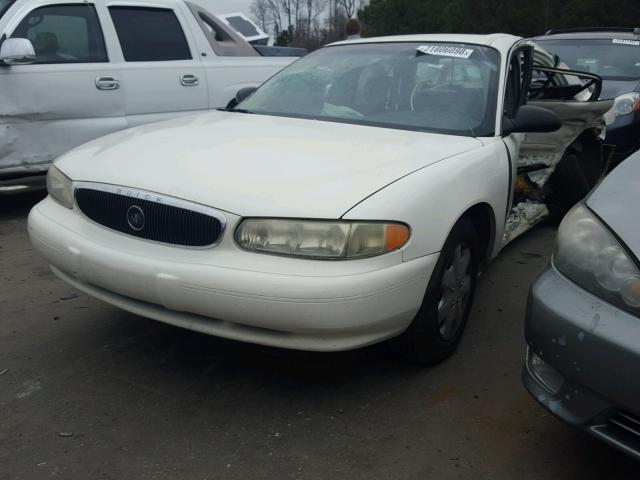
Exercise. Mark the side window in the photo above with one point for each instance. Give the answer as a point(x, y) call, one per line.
point(518, 80)
point(149, 34)
point(64, 34)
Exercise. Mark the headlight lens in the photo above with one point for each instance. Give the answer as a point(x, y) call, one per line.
point(321, 239)
point(588, 254)
point(626, 104)
point(60, 187)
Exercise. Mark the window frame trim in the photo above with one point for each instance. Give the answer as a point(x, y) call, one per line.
point(89, 4)
point(151, 6)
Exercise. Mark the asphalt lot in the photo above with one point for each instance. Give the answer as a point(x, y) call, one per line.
point(94, 392)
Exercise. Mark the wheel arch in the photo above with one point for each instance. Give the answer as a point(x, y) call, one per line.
point(484, 221)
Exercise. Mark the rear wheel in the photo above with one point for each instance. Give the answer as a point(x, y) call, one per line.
point(437, 328)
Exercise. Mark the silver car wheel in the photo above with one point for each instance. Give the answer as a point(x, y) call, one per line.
point(455, 290)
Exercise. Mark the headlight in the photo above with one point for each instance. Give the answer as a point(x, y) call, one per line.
point(321, 239)
point(588, 254)
point(59, 187)
point(626, 104)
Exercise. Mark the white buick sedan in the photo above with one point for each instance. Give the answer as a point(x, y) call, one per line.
point(351, 199)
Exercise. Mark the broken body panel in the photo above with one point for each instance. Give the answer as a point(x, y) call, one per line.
point(575, 153)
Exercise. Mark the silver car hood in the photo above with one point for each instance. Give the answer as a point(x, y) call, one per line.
point(617, 201)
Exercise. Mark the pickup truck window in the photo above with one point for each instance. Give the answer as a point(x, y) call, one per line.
point(64, 34)
point(149, 34)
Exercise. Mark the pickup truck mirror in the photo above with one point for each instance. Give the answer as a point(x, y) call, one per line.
point(530, 119)
point(244, 93)
point(17, 51)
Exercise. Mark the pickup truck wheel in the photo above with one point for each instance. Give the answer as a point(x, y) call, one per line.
point(437, 328)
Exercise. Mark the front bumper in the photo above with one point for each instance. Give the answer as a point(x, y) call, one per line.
point(227, 292)
point(596, 347)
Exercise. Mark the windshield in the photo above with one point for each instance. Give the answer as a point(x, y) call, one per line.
point(612, 59)
point(4, 6)
point(436, 87)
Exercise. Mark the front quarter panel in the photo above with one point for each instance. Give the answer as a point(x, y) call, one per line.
point(432, 199)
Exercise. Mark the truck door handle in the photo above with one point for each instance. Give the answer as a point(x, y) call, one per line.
point(189, 80)
point(107, 83)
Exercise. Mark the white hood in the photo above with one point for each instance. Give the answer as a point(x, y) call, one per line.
point(255, 165)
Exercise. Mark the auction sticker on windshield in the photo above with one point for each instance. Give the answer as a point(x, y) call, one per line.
point(446, 51)
point(621, 41)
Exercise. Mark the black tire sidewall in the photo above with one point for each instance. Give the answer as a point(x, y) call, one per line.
point(422, 342)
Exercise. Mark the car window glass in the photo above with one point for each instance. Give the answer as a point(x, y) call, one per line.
point(149, 34)
point(64, 34)
point(608, 58)
point(449, 88)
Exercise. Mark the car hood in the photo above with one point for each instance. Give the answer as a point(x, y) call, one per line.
point(614, 88)
point(616, 201)
point(258, 165)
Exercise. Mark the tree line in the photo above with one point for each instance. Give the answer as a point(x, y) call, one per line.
point(305, 23)
point(312, 23)
point(520, 17)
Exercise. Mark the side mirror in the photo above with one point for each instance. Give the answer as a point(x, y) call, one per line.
point(530, 119)
point(244, 93)
point(17, 51)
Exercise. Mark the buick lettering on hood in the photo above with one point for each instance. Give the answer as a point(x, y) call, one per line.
point(351, 199)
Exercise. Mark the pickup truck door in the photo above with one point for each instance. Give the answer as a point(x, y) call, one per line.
point(70, 94)
point(162, 74)
point(229, 61)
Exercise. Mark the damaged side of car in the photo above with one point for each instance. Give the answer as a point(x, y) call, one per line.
point(556, 170)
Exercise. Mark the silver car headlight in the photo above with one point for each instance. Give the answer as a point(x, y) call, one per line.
point(321, 239)
point(626, 104)
point(60, 187)
point(589, 255)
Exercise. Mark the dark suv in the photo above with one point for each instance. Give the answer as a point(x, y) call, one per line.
point(614, 55)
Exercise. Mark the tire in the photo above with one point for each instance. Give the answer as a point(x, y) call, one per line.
point(435, 332)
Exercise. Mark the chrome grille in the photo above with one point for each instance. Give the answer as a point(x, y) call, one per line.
point(152, 217)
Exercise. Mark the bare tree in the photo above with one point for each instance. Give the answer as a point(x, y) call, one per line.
point(260, 12)
point(350, 7)
point(304, 23)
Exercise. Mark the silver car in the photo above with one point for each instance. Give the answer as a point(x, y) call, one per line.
point(583, 315)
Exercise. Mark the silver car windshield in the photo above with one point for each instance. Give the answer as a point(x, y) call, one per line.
point(437, 87)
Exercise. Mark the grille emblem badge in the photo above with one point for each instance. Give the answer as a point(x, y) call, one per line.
point(135, 218)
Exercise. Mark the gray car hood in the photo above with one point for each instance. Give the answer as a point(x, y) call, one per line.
point(617, 200)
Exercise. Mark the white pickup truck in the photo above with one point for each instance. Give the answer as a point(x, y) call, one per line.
point(75, 70)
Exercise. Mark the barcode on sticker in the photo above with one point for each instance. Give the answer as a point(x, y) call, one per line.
point(621, 41)
point(446, 51)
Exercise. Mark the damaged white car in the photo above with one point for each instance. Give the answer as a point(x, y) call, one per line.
point(351, 199)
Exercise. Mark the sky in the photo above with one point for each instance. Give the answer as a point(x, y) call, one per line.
point(226, 6)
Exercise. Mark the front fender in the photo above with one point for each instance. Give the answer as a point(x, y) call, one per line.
point(433, 199)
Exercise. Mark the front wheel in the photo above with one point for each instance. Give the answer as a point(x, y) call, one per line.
point(437, 328)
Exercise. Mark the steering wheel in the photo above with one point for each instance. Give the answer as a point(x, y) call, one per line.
point(420, 87)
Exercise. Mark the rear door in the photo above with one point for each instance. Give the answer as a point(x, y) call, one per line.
point(162, 75)
point(56, 103)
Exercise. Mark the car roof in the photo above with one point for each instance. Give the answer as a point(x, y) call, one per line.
point(591, 34)
point(496, 40)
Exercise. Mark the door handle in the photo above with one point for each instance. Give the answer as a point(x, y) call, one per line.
point(107, 83)
point(189, 80)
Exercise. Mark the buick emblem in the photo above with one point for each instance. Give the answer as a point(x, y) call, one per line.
point(135, 218)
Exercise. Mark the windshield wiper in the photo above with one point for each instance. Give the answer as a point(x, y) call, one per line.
point(237, 110)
